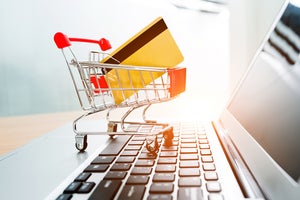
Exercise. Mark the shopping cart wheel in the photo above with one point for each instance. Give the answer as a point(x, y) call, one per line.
point(168, 133)
point(81, 142)
point(153, 146)
point(112, 127)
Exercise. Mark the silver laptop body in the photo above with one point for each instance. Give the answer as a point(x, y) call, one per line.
point(255, 142)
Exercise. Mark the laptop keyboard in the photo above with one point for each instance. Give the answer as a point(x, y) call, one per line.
point(125, 169)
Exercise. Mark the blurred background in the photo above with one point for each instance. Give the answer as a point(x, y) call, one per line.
point(33, 74)
point(34, 77)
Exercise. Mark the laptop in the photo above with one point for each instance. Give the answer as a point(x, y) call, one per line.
point(250, 152)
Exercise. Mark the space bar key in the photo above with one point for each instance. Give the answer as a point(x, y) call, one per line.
point(106, 190)
point(115, 146)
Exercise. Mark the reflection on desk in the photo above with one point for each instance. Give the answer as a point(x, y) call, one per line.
point(18, 130)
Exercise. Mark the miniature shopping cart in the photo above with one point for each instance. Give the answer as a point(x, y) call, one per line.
point(101, 86)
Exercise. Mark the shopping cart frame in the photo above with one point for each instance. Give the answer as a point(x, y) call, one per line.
point(170, 84)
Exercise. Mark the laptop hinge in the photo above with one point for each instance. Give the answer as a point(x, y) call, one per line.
point(241, 171)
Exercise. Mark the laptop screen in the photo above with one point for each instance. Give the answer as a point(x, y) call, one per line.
point(267, 103)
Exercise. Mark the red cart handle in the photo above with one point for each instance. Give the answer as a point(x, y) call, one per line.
point(62, 41)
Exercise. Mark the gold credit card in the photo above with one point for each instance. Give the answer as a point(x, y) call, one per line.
point(152, 46)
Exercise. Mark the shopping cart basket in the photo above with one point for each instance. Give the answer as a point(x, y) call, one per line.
point(101, 86)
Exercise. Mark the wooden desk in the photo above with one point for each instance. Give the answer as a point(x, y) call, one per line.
point(18, 130)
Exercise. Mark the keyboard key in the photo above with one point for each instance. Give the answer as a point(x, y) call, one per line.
point(144, 163)
point(189, 157)
point(203, 141)
point(132, 147)
point(167, 161)
point(189, 164)
point(125, 159)
point(137, 180)
point(64, 197)
point(205, 152)
point(188, 140)
point(106, 190)
point(147, 155)
point(189, 182)
point(96, 168)
point(190, 193)
point(163, 177)
point(120, 167)
point(159, 197)
point(115, 146)
point(103, 160)
point(165, 168)
point(189, 172)
point(132, 192)
point(204, 146)
point(115, 175)
point(188, 150)
point(211, 176)
point(215, 197)
point(161, 188)
point(188, 145)
point(207, 159)
point(129, 153)
point(141, 171)
point(190, 130)
point(168, 154)
point(188, 136)
point(136, 143)
point(208, 167)
point(83, 176)
point(73, 187)
point(86, 187)
point(213, 186)
point(138, 138)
